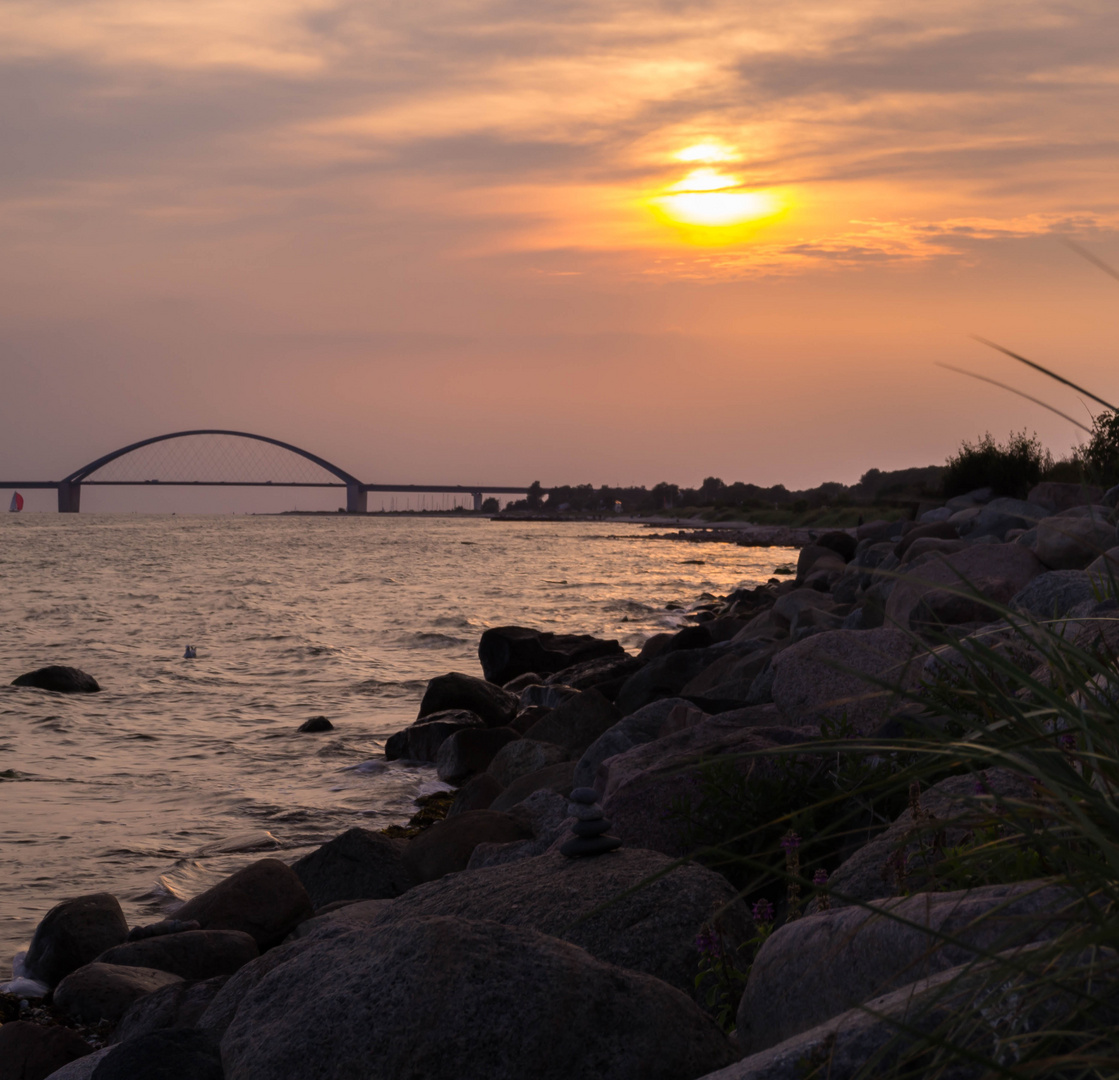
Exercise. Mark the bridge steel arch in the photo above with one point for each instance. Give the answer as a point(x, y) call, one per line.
point(70, 487)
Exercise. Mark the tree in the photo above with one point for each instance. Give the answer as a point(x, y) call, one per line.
point(1101, 455)
point(665, 496)
point(490, 505)
point(535, 494)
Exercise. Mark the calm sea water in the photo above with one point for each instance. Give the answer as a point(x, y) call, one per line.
point(182, 770)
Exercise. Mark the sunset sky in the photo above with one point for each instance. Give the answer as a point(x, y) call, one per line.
point(467, 241)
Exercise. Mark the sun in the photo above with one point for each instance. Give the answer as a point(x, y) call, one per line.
point(711, 204)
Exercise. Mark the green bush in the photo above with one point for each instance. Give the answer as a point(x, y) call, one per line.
point(1009, 470)
point(1100, 457)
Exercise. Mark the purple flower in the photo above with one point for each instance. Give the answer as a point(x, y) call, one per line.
point(707, 942)
point(1068, 741)
point(820, 878)
point(790, 841)
point(762, 911)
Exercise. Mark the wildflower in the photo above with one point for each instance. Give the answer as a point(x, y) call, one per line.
point(707, 942)
point(820, 878)
point(1068, 741)
point(820, 881)
point(762, 911)
point(790, 842)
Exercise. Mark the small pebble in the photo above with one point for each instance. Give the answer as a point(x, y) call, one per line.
point(591, 828)
point(584, 813)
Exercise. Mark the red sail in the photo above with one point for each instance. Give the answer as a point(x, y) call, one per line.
point(17, 502)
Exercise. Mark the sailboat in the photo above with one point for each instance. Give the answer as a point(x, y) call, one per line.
point(16, 505)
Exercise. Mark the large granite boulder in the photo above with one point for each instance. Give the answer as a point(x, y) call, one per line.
point(34, 1051)
point(576, 723)
point(456, 999)
point(606, 674)
point(999, 516)
point(508, 651)
point(478, 793)
point(182, 1053)
point(824, 964)
point(838, 673)
point(523, 756)
point(1071, 543)
point(559, 778)
point(73, 934)
point(265, 899)
point(731, 677)
point(106, 991)
point(357, 865)
point(1055, 497)
point(177, 1005)
point(422, 739)
point(470, 751)
point(62, 680)
point(946, 590)
point(447, 846)
point(495, 706)
point(616, 907)
point(645, 787)
point(1051, 595)
point(192, 954)
point(666, 675)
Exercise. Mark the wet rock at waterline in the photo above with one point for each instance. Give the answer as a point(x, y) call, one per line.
point(192, 954)
point(358, 865)
point(106, 991)
point(73, 934)
point(33, 1051)
point(508, 651)
point(62, 680)
point(495, 706)
point(315, 724)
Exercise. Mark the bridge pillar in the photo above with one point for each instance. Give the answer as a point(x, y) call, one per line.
point(357, 499)
point(477, 501)
point(69, 498)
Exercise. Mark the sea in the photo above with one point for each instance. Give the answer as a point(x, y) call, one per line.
point(182, 770)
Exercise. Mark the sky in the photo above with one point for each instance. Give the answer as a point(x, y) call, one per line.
point(493, 242)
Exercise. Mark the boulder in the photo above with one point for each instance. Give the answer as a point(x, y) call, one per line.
point(524, 756)
point(508, 651)
point(544, 813)
point(495, 706)
point(34, 1051)
point(1051, 595)
point(980, 1006)
point(315, 724)
point(789, 608)
point(447, 846)
point(457, 999)
point(667, 675)
point(62, 680)
point(951, 589)
point(81, 1068)
point(824, 964)
point(421, 740)
point(1071, 543)
point(998, 517)
point(938, 513)
point(840, 541)
point(896, 860)
point(646, 786)
point(478, 793)
point(265, 899)
point(606, 675)
point(358, 865)
point(193, 954)
point(180, 1053)
point(1055, 497)
point(178, 1005)
point(1104, 572)
point(73, 934)
point(470, 751)
point(879, 530)
point(646, 724)
point(925, 544)
point(576, 723)
point(559, 778)
point(940, 530)
point(812, 555)
point(105, 991)
point(835, 674)
point(730, 677)
point(615, 907)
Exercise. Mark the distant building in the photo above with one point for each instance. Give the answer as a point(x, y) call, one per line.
point(617, 506)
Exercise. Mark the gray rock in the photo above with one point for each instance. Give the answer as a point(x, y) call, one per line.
point(358, 865)
point(164, 926)
point(1051, 595)
point(524, 756)
point(446, 847)
point(730, 677)
point(1071, 543)
point(495, 706)
point(421, 740)
point(178, 1005)
point(579, 847)
point(1111, 497)
point(61, 680)
point(316, 723)
point(508, 651)
point(82, 1068)
point(952, 589)
point(480, 792)
point(977, 498)
point(544, 814)
point(265, 899)
point(955, 806)
point(193, 954)
point(1000, 515)
point(1104, 573)
point(667, 674)
point(606, 674)
point(105, 991)
point(30, 1051)
point(470, 751)
point(836, 674)
point(547, 697)
point(611, 907)
point(73, 934)
point(177, 1054)
point(360, 1004)
point(576, 723)
point(824, 964)
point(930, 517)
point(1054, 497)
point(558, 778)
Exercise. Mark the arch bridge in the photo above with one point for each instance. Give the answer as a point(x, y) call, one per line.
point(256, 456)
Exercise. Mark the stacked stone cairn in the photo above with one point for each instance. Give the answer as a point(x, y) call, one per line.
point(590, 828)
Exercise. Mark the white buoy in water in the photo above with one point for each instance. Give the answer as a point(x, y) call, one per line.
point(190, 654)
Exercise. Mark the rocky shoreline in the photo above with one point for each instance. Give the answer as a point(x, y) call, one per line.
point(546, 920)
